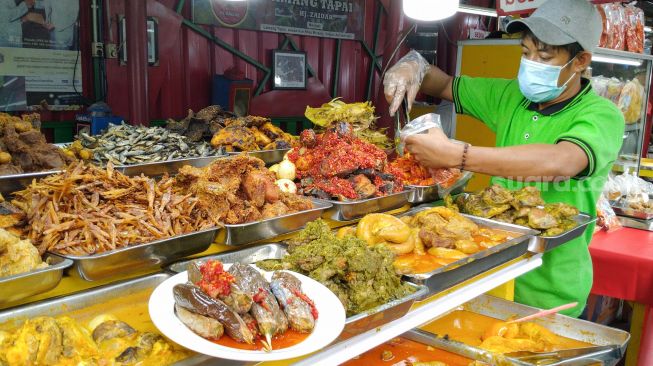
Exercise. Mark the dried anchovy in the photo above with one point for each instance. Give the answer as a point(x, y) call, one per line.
point(87, 209)
point(127, 145)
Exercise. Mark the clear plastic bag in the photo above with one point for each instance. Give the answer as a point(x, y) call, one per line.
point(634, 17)
point(420, 124)
point(630, 101)
point(607, 219)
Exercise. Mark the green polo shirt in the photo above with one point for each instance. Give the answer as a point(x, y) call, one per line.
point(587, 120)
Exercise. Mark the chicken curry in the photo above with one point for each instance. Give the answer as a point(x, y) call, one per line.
point(404, 352)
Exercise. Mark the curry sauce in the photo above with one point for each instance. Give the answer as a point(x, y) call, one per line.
point(470, 328)
point(403, 352)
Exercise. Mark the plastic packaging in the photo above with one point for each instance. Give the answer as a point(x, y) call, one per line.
point(607, 219)
point(420, 124)
point(614, 89)
point(607, 25)
point(634, 18)
point(630, 101)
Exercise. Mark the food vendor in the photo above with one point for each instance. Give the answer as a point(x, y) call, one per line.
point(552, 130)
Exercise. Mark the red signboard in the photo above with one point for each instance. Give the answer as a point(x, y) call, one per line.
point(508, 7)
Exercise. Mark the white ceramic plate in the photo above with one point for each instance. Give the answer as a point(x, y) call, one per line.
point(329, 325)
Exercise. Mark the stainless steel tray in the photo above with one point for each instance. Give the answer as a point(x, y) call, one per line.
point(268, 156)
point(463, 269)
point(543, 244)
point(629, 212)
point(573, 328)
point(140, 257)
point(422, 194)
point(353, 210)
point(24, 285)
point(16, 182)
point(170, 167)
point(354, 325)
point(636, 224)
point(248, 233)
point(59, 306)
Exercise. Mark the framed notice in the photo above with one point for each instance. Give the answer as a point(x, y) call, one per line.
point(288, 69)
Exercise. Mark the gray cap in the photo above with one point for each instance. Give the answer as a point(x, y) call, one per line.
point(562, 22)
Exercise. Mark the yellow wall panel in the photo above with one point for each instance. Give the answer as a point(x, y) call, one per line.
point(485, 60)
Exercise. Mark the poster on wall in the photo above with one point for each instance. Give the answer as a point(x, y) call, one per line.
point(39, 54)
point(319, 18)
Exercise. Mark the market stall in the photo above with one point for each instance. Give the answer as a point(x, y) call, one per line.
point(222, 235)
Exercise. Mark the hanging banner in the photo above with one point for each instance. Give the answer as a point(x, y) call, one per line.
point(509, 7)
point(39, 54)
point(319, 18)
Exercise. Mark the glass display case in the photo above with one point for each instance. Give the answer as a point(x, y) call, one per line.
point(624, 78)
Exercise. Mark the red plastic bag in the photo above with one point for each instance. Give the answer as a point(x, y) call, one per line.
point(618, 17)
point(634, 17)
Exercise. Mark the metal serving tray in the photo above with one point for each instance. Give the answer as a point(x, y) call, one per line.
point(268, 156)
point(573, 328)
point(60, 306)
point(422, 194)
point(170, 167)
point(543, 244)
point(354, 210)
point(251, 232)
point(629, 212)
point(16, 182)
point(140, 257)
point(354, 325)
point(23, 285)
point(463, 269)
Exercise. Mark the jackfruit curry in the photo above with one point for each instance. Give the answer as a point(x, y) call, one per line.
point(430, 239)
point(499, 336)
point(122, 334)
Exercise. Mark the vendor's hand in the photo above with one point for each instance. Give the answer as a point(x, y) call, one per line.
point(434, 149)
point(404, 78)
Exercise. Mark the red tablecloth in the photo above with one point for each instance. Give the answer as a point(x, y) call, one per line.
point(623, 264)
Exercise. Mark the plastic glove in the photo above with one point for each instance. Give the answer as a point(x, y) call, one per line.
point(404, 78)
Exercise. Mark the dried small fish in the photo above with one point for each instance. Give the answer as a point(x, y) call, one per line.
point(127, 145)
point(87, 210)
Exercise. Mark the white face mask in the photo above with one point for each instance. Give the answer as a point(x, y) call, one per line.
point(539, 82)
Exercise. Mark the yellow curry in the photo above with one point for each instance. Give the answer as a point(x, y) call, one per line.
point(122, 335)
point(495, 335)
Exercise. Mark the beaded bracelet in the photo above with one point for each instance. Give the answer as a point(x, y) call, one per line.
point(464, 159)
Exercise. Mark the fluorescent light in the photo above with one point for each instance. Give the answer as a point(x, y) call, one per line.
point(429, 10)
point(477, 10)
point(616, 60)
point(648, 29)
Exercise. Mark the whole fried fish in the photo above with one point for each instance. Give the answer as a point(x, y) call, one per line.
point(202, 325)
point(299, 309)
point(237, 299)
point(269, 317)
point(192, 298)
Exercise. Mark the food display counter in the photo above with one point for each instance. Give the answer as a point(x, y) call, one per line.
point(313, 260)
